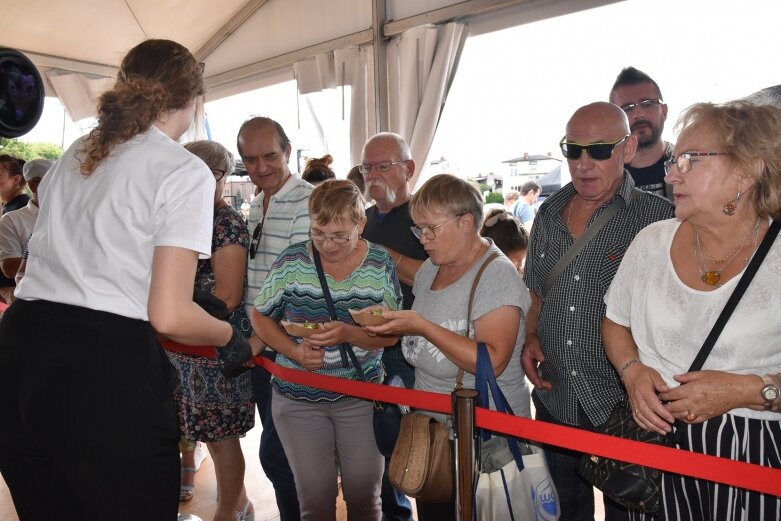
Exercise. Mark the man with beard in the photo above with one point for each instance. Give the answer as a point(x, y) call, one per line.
point(639, 96)
point(387, 166)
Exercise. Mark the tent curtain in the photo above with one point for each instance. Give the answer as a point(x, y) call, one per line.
point(316, 78)
point(422, 64)
point(78, 92)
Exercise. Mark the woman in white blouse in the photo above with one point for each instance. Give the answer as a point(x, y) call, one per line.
point(670, 288)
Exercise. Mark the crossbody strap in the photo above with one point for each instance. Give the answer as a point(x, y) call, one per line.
point(573, 251)
point(345, 349)
point(737, 294)
point(460, 375)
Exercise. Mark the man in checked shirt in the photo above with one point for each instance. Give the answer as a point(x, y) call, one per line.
point(563, 355)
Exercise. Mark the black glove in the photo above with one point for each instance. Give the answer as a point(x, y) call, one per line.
point(232, 355)
point(211, 304)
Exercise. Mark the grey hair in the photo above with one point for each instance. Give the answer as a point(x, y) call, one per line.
point(401, 143)
point(213, 154)
point(768, 96)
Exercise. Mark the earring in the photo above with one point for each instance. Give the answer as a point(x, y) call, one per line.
point(730, 207)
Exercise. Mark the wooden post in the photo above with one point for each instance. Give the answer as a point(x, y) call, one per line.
point(464, 417)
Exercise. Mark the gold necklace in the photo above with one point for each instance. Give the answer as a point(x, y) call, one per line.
point(569, 217)
point(712, 277)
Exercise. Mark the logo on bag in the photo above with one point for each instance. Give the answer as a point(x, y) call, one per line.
point(545, 501)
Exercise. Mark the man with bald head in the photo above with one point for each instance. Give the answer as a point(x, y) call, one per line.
point(563, 355)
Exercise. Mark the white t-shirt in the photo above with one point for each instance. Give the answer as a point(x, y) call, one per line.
point(15, 230)
point(670, 320)
point(95, 236)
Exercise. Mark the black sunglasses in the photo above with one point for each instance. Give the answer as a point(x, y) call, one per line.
point(253, 245)
point(596, 151)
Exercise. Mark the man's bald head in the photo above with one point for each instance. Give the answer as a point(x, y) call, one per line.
point(607, 118)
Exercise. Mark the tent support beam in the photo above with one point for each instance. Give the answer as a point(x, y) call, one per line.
point(447, 14)
point(56, 62)
point(381, 105)
point(287, 60)
point(244, 14)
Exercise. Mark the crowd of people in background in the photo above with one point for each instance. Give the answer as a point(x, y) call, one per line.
point(127, 245)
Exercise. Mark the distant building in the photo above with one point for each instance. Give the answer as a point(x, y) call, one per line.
point(527, 168)
point(443, 166)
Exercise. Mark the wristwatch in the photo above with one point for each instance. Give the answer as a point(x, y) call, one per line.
point(769, 392)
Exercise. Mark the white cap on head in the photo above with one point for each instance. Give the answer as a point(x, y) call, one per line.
point(36, 168)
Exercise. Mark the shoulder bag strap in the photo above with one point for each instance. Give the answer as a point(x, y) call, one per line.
point(345, 350)
point(617, 204)
point(472, 292)
point(737, 294)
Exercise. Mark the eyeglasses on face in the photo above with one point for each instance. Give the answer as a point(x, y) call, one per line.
point(218, 174)
point(643, 104)
point(429, 232)
point(596, 151)
point(336, 238)
point(684, 161)
point(382, 166)
point(253, 245)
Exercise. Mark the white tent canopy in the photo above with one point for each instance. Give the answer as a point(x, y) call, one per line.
point(399, 56)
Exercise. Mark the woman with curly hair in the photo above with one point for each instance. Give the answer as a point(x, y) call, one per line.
point(89, 426)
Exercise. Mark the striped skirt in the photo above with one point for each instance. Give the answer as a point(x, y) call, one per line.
point(729, 436)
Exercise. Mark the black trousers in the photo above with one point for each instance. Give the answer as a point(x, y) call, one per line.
point(88, 427)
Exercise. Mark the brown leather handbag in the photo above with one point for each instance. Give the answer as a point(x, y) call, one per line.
point(422, 462)
point(421, 465)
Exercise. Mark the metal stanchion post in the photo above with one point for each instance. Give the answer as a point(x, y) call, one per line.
point(464, 416)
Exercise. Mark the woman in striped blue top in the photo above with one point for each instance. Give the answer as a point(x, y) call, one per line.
point(317, 427)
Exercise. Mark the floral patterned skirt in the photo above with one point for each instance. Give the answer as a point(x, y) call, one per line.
point(211, 407)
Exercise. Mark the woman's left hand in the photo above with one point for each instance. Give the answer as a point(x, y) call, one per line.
point(704, 394)
point(331, 334)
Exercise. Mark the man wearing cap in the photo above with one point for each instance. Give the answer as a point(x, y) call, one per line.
point(17, 226)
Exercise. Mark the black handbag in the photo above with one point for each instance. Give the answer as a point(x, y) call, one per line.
point(637, 486)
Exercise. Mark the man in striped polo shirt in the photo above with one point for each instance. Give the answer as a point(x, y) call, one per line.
point(278, 217)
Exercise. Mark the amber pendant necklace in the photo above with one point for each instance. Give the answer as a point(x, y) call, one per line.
point(712, 277)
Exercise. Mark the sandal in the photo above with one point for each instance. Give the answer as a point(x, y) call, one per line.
point(186, 491)
point(248, 514)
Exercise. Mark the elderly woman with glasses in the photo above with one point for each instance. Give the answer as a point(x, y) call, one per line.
point(448, 213)
point(320, 429)
point(672, 285)
point(212, 408)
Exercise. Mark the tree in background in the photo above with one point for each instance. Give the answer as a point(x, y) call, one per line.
point(494, 197)
point(28, 151)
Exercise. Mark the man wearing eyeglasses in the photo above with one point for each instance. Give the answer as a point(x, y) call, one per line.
point(639, 96)
point(278, 217)
point(387, 166)
point(563, 355)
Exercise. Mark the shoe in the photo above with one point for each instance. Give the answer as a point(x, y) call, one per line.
point(248, 514)
point(186, 491)
point(200, 454)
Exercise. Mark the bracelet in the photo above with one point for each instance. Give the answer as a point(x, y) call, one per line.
point(627, 366)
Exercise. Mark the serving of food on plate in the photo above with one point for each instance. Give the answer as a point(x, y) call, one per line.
point(368, 316)
point(300, 329)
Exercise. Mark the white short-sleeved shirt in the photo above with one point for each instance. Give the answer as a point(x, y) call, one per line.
point(93, 243)
point(670, 321)
point(15, 230)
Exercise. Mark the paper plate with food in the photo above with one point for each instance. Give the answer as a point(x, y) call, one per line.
point(300, 329)
point(368, 316)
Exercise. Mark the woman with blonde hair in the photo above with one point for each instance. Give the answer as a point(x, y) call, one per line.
point(85, 387)
point(448, 213)
point(673, 283)
point(320, 428)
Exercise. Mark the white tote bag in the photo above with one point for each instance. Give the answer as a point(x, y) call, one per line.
point(514, 483)
point(515, 494)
